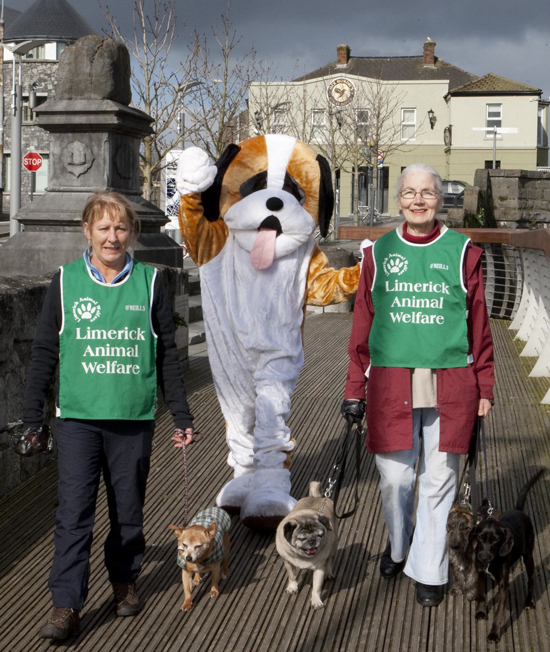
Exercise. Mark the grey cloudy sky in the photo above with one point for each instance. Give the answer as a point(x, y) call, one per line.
point(509, 38)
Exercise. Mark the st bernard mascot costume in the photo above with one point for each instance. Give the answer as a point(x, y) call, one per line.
point(247, 222)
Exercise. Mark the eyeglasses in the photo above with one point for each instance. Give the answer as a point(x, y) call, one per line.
point(425, 194)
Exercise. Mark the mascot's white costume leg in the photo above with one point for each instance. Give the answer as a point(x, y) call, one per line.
point(247, 222)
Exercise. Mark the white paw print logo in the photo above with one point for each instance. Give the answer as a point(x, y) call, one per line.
point(395, 264)
point(86, 309)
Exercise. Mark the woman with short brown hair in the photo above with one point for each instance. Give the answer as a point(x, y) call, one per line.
point(107, 320)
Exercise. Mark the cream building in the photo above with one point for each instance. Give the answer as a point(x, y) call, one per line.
point(376, 115)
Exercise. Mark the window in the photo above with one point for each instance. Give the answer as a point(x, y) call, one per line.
point(278, 121)
point(28, 115)
point(494, 116)
point(489, 165)
point(59, 47)
point(362, 122)
point(41, 176)
point(38, 52)
point(542, 137)
point(317, 125)
point(408, 124)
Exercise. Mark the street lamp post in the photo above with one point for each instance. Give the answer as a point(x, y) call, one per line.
point(17, 51)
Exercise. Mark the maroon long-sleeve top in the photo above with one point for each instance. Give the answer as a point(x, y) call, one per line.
point(388, 390)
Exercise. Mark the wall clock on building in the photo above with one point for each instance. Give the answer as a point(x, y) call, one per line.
point(341, 91)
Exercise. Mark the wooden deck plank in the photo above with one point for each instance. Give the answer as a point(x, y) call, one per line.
point(363, 611)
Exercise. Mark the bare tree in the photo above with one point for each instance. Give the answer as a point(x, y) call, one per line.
point(382, 101)
point(349, 136)
point(269, 106)
point(157, 88)
point(219, 100)
point(297, 109)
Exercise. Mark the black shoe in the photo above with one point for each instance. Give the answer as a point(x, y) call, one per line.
point(429, 595)
point(127, 602)
point(388, 567)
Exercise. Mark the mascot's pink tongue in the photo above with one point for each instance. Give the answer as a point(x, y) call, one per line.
point(263, 251)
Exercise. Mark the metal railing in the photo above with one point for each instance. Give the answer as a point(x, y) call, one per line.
point(503, 274)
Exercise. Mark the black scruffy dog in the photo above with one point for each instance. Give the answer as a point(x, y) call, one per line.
point(460, 523)
point(461, 554)
point(499, 543)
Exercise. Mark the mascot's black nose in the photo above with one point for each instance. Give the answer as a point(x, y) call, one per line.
point(274, 204)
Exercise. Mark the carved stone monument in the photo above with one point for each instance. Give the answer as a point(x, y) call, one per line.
point(95, 138)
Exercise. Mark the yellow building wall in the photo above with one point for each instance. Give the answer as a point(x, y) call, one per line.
point(469, 151)
point(464, 162)
point(518, 111)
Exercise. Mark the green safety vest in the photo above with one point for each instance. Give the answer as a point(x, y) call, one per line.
point(419, 300)
point(107, 347)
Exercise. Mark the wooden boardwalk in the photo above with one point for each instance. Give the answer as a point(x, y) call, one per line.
point(363, 611)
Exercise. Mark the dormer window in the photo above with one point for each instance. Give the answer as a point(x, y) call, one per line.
point(38, 52)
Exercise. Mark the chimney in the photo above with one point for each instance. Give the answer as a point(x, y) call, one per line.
point(429, 53)
point(342, 54)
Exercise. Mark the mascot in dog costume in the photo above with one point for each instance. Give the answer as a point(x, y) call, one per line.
point(247, 222)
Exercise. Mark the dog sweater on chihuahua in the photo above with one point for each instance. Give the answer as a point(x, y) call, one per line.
point(203, 546)
point(205, 519)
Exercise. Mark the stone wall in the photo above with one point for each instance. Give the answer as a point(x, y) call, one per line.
point(521, 198)
point(512, 198)
point(21, 301)
point(20, 304)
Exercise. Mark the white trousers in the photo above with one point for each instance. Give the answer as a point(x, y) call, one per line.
point(428, 561)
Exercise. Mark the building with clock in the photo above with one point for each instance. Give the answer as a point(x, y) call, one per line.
point(373, 116)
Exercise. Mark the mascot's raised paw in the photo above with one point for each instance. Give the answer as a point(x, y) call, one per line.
point(269, 501)
point(195, 171)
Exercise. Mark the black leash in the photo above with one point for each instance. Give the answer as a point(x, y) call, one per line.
point(468, 480)
point(338, 470)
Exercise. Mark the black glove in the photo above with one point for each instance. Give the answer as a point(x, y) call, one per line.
point(354, 409)
point(30, 440)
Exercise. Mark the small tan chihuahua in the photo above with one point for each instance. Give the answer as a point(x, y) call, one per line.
point(203, 546)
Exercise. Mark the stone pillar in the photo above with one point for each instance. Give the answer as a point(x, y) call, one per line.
point(95, 138)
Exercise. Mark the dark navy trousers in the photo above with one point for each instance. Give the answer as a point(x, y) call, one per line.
point(121, 450)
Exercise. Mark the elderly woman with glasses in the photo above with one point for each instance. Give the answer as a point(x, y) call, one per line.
point(421, 346)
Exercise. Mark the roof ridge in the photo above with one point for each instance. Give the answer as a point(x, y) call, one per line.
point(493, 76)
point(461, 69)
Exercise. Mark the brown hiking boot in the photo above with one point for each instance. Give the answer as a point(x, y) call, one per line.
point(126, 598)
point(62, 623)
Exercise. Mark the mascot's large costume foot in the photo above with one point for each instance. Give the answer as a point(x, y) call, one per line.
point(248, 223)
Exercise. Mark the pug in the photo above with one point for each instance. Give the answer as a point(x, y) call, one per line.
point(308, 538)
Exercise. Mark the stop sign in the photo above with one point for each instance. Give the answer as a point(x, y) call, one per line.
point(32, 161)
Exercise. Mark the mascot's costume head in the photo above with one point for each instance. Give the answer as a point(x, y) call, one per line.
point(248, 222)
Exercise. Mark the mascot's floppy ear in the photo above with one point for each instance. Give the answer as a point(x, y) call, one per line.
point(211, 196)
point(326, 196)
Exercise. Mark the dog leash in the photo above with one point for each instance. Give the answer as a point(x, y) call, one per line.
point(197, 436)
point(468, 480)
point(338, 470)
